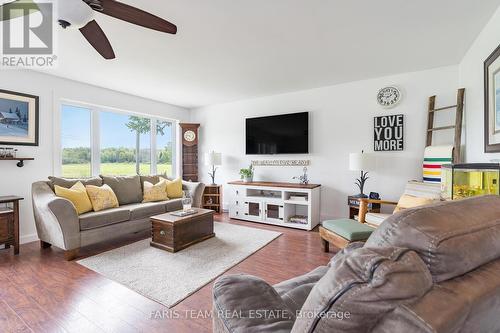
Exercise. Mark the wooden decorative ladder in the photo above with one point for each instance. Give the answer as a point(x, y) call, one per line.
point(458, 122)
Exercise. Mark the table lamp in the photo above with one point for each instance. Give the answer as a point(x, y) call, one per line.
point(214, 159)
point(361, 162)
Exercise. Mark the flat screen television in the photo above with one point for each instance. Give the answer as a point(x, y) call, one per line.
point(281, 134)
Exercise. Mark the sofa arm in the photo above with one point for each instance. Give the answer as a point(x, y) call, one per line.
point(56, 218)
point(195, 190)
point(245, 303)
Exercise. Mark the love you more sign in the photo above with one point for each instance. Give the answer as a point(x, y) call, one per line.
point(389, 133)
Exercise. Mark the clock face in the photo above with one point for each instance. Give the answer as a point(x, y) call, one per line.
point(189, 136)
point(389, 97)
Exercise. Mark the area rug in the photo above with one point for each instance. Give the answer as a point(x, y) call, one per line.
point(168, 278)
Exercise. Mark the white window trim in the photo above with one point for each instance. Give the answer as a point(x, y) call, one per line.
point(95, 136)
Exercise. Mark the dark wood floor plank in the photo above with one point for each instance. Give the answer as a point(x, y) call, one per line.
point(30, 279)
point(31, 313)
point(10, 321)
point(45, 293)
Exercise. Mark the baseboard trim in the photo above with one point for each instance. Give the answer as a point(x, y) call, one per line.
point(28, 238)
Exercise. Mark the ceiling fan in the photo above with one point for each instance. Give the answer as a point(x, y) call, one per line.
point(79, 14)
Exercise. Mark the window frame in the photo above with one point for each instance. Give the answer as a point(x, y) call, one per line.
point(95, 136)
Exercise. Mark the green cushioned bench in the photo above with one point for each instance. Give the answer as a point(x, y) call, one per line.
point(342, 232)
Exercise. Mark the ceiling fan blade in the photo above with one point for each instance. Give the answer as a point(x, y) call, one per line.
point(136, 16)
point(96, 37)
point(7, 12)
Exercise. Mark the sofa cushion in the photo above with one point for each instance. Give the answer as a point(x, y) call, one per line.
point(127, 188)
point(409, 201)
point(151, 179)
point(69, 182)
point(376, 218)
point(103, 218)
point(145, 210)
point(155, 192)
point(102, 197)
point(174, 188)
point(468, 303)
point(348, 229)
point(173, 205)
point(452, 238)
point(78, 196)
point(363, 284)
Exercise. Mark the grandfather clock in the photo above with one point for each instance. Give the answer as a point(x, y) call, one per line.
point(190, 151)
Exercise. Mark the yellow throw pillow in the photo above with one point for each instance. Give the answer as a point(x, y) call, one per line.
point(102, 197)
point(174, 188)
point(157, 192)
point(77, 194)
point(409, 201)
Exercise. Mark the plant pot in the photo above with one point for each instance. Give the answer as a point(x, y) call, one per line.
point(248, 179)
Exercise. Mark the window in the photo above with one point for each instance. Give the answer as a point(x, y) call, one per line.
point(125, 144)
point(120, 143)
point(164, 147)
point(76, 142)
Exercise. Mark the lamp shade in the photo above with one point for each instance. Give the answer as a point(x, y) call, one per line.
point(361, 162)
point(213, 158)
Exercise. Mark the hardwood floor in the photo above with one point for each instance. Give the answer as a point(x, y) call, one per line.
point(41, 292)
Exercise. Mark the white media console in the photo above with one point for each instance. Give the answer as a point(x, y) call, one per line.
point(283, 204)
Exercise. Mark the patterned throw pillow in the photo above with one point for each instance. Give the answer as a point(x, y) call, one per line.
point(102, 197)
point(434, 159)
point(77, 194)
point(157, 192)
point(174, 188)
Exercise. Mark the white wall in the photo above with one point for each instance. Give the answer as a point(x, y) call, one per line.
point(51, 89)
point(341, 122)
point(471, 77)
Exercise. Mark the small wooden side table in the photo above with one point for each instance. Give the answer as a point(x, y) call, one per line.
point(353, 203)
point(9, 222)
point(212, 198)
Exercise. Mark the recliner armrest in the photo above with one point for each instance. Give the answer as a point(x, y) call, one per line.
point(245, 303)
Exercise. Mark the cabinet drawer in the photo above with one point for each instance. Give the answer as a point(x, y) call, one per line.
point(6, 227)
point(235, 211)
point(239, 202)
point(237, 192)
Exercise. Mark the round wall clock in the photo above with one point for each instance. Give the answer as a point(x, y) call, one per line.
point(189, 136)
point(389, 97)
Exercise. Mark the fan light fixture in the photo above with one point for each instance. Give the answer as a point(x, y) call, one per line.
point(79, 14)
point(74, 14)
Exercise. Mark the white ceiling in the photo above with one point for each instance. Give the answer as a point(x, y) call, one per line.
point(227, 50)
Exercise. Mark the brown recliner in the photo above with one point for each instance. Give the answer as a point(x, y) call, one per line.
point(431, 269)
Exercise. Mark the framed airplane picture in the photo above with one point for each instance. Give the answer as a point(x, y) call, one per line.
point(19, 116)
point(492, 102)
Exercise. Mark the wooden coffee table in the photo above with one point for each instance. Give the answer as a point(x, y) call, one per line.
point(174, 233)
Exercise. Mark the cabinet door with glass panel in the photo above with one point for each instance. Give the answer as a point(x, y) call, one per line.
point(253, 208)
point(273, 212)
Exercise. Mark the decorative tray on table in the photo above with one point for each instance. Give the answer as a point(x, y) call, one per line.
point(182, 213)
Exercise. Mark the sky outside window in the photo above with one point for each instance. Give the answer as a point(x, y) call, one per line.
point(76, 142)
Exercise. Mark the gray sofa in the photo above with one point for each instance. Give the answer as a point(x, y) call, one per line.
point(58, 223)
point(429, 269)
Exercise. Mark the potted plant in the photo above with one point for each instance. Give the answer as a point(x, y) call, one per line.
point(247, 174)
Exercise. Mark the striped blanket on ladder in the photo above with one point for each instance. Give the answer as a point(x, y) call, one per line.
point(434, 158)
